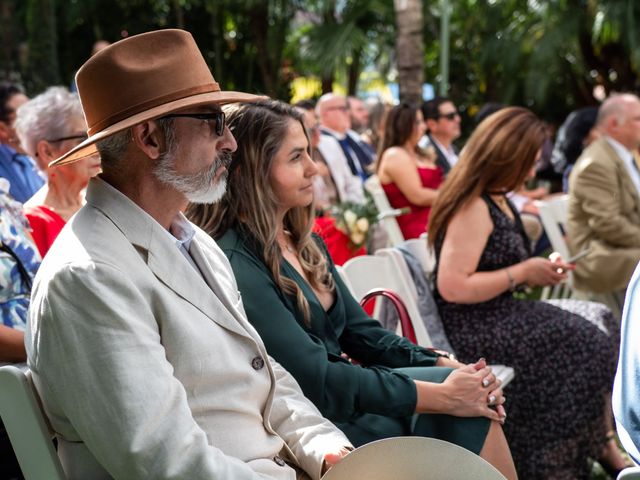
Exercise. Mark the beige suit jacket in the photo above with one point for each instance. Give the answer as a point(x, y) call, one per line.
point(604, 216)
point(147, 373)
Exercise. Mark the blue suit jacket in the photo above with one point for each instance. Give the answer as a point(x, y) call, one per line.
point(21, 172)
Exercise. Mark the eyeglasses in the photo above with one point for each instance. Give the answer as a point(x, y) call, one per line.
point(342, 108)
point(449, 116)
point(218, 119)
point(80, 136)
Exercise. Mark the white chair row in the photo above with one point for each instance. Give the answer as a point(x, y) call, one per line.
point(387, 269)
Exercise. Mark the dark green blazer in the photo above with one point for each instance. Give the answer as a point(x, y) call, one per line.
point(342, 391)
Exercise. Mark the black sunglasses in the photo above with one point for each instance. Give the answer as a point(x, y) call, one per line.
point(449, 116)
point(217, 117)
point(81, 136)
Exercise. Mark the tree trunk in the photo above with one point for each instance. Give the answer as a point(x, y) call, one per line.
point(177, 7)
point(409, 49)
point(354, 73)
point(7, 66)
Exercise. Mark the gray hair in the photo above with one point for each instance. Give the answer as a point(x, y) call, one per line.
point(46, 117)
point(615, 106)
point(114, 147)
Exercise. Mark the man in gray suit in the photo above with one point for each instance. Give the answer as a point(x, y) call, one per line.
point(604, 202)
point(138, 341)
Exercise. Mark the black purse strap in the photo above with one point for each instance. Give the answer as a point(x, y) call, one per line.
point(26, 278)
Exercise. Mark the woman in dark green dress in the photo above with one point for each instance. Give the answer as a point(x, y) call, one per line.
point(370, 382)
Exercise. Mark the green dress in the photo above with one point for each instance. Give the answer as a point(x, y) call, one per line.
point(373, 399)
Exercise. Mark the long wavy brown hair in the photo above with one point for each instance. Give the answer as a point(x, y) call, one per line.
point(398, 128)
point(250, 204)
point(496, 159)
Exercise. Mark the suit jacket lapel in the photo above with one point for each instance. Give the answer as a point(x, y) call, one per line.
point(231, 304)
point(163, 257)
point(441, 159)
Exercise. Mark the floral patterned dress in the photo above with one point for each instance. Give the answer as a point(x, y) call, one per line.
point(564, 362)
point(19, 261)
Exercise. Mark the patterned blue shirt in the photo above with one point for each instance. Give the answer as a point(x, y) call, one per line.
point(19, 261)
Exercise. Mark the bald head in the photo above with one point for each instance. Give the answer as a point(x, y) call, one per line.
point(619, 118)
point(333, 112)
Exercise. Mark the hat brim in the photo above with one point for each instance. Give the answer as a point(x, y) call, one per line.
point(88, 147)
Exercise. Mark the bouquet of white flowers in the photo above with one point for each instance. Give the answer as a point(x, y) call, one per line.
point(355, 220)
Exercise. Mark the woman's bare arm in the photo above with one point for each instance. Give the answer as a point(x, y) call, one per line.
point(11, 345)
point(399, 168)
point(465, 239)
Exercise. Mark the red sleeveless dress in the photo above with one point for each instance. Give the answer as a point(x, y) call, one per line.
point(415, 223)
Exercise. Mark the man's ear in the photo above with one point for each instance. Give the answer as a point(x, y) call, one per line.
point(431, 123)
point(148, 137)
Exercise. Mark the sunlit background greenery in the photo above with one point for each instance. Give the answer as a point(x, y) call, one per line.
point(548, 55)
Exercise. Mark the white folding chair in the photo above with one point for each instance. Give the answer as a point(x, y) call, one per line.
point(553, 215)
point(363, 274)
point(387, 269)
point(410, 458)
point(420, 249)
point(631, 473)
point(25, 424)
point(387, 214)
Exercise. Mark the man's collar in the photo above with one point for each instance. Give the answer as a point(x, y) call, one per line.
point(622, 151)
point(339, 136)
point(182, 230)
point(441, 146)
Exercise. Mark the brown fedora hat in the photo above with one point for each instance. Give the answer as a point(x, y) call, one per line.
point(140, 78)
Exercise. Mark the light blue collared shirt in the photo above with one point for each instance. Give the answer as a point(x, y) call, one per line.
point(182, 233)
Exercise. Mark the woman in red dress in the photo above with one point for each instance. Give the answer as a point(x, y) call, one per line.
point(409, 176)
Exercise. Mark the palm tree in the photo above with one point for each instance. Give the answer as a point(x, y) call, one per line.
point(409, 49)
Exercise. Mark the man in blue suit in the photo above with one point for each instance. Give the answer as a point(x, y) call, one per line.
point(15, 165)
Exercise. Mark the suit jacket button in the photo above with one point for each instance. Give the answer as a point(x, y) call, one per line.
point(257, 363)
point(279, 461)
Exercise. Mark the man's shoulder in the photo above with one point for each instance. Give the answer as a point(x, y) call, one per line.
point(598, 158)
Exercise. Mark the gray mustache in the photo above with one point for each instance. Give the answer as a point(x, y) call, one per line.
point(224, 159)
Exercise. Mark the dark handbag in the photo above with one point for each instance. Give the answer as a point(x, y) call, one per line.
point(403, 316)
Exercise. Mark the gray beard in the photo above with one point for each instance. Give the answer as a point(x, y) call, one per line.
point(200, 187)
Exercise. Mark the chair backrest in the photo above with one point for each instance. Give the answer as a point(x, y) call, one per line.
point(25, 424)
point(421, 251)
point(409, 458)
point(553, 215)
point(631, 473)
point(387, 214)
point(367, 272)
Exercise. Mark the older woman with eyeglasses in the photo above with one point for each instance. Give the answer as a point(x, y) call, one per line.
point(48, 126)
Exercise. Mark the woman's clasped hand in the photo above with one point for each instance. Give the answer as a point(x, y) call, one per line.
point(470, 391)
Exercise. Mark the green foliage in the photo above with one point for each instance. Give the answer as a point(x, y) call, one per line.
point(545, 54)
point(42, 66)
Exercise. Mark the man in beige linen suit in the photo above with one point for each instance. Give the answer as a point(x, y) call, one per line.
point(137, 339)
point(604, 201)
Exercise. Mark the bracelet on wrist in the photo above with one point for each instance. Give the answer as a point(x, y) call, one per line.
point(512, 281)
